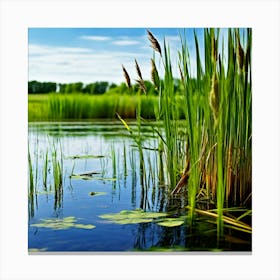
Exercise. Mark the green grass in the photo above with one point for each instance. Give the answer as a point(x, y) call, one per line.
point(82, 106)
point(213, 109)
point(217, 159)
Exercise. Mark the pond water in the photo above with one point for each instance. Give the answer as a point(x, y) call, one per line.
point(100, 174)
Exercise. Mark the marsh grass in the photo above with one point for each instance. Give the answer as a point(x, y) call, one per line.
point(212, 161)
point(75, 106)
point(49, 179)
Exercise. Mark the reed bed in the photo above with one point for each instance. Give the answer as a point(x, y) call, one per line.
point(80, 106)
point(212, 162)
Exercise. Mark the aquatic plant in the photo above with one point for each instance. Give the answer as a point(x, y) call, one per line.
point(62, 224)
point(139, 216)
point(216, 162)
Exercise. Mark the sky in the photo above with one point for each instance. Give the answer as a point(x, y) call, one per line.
point(69, 55)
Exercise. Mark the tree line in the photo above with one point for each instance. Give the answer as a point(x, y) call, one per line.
point(100, 87)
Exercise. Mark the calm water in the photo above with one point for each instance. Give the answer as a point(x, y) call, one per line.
point(112, 180)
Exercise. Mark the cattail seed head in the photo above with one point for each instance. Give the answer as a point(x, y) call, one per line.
point(140, 80)
point(126, 76)
point(155, 44)
point(138, 70)
point(154, 75)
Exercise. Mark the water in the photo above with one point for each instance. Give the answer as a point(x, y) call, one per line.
point(67, 218)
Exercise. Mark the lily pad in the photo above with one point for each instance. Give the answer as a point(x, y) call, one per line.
point(171, 222)
point(59, 224)
point(136, 216)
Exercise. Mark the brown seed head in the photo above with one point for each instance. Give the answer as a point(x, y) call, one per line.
point(155, 44)
point(138, 70)
point(126, 76)
point(154, 75)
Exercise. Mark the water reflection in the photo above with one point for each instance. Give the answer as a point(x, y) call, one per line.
point(131, 176)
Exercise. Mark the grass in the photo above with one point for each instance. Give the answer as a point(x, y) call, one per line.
point(205, 145)
point(81, 106)
point(217, 159)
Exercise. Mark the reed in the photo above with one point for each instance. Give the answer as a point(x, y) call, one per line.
point(31, 187)
point(215, 161)
point(82, 106)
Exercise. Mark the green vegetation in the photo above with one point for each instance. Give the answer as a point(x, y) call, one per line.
point(218, 121)
point(81, 106)
point(204, 129)
point(62, 224)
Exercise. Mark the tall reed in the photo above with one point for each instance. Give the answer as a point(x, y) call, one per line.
point(215, 164)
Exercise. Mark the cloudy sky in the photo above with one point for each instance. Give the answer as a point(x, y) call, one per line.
point(66, 55)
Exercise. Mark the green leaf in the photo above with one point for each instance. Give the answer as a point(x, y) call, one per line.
point(171, 222)
point(60, 224)
point(84, 226)
point(132, 216)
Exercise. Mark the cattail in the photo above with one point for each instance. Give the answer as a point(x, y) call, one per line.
point(154, 75)
point(214, 97)
point(140, 80)
point(138, 70)
point(127, 79)
point(155, 44)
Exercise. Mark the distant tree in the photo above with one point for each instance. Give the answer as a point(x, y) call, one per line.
point(113, 85)
point(41, 87)
point(62, 88)
point(71, 87)
point(96, 88)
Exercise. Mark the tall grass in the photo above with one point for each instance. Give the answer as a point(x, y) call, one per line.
point(50, 162)
point(82, 106)
point(215, 161)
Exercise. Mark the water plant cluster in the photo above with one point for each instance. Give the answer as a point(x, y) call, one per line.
point(199, 156)
point(216, 147)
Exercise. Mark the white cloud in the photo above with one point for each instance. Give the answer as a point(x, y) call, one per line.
point(43, 50)
point(65, 65)
point(96, 38)
point(125, 42)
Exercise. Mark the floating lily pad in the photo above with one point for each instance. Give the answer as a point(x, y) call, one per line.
point(85, 226)
point(59, 224)
point(171, 222)
point(132, 216)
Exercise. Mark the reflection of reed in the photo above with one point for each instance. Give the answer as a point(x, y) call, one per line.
point(32, 196)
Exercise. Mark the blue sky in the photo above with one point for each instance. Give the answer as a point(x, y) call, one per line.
point(66, 55)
